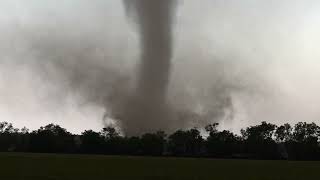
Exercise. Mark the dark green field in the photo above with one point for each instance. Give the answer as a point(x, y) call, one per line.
point(78, 167)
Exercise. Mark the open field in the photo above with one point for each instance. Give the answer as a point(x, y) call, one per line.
point(77, 167)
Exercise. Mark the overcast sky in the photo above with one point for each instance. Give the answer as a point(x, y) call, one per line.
point(262, 53)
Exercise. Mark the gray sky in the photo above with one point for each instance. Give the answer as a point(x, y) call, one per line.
point(263, 55)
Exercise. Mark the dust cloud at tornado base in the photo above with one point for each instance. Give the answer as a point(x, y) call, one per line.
point(83, 61)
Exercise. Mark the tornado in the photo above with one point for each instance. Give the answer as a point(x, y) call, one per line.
point(148, 109)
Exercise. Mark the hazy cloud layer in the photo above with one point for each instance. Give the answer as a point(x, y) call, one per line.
point(234, 62)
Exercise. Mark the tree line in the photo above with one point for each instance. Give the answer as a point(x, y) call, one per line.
point(263, 141)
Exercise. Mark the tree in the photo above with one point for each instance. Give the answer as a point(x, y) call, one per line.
point(153, 143)
point(264, 131)
point(109, 133)
point(304, 132)
point(23, 140)
point(223, 144)
point(304, 144)
point(259, 141)
point(212, 128)
point(52, 139)
point(186, 143)
point(8, 137)
point(263, 141)
point(91, 142)
point(6, 127)
point(133, 146)
point(283, 133)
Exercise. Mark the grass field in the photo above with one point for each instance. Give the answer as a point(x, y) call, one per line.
point(88, 167)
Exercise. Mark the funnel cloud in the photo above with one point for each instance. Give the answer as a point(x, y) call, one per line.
point(149, 108)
